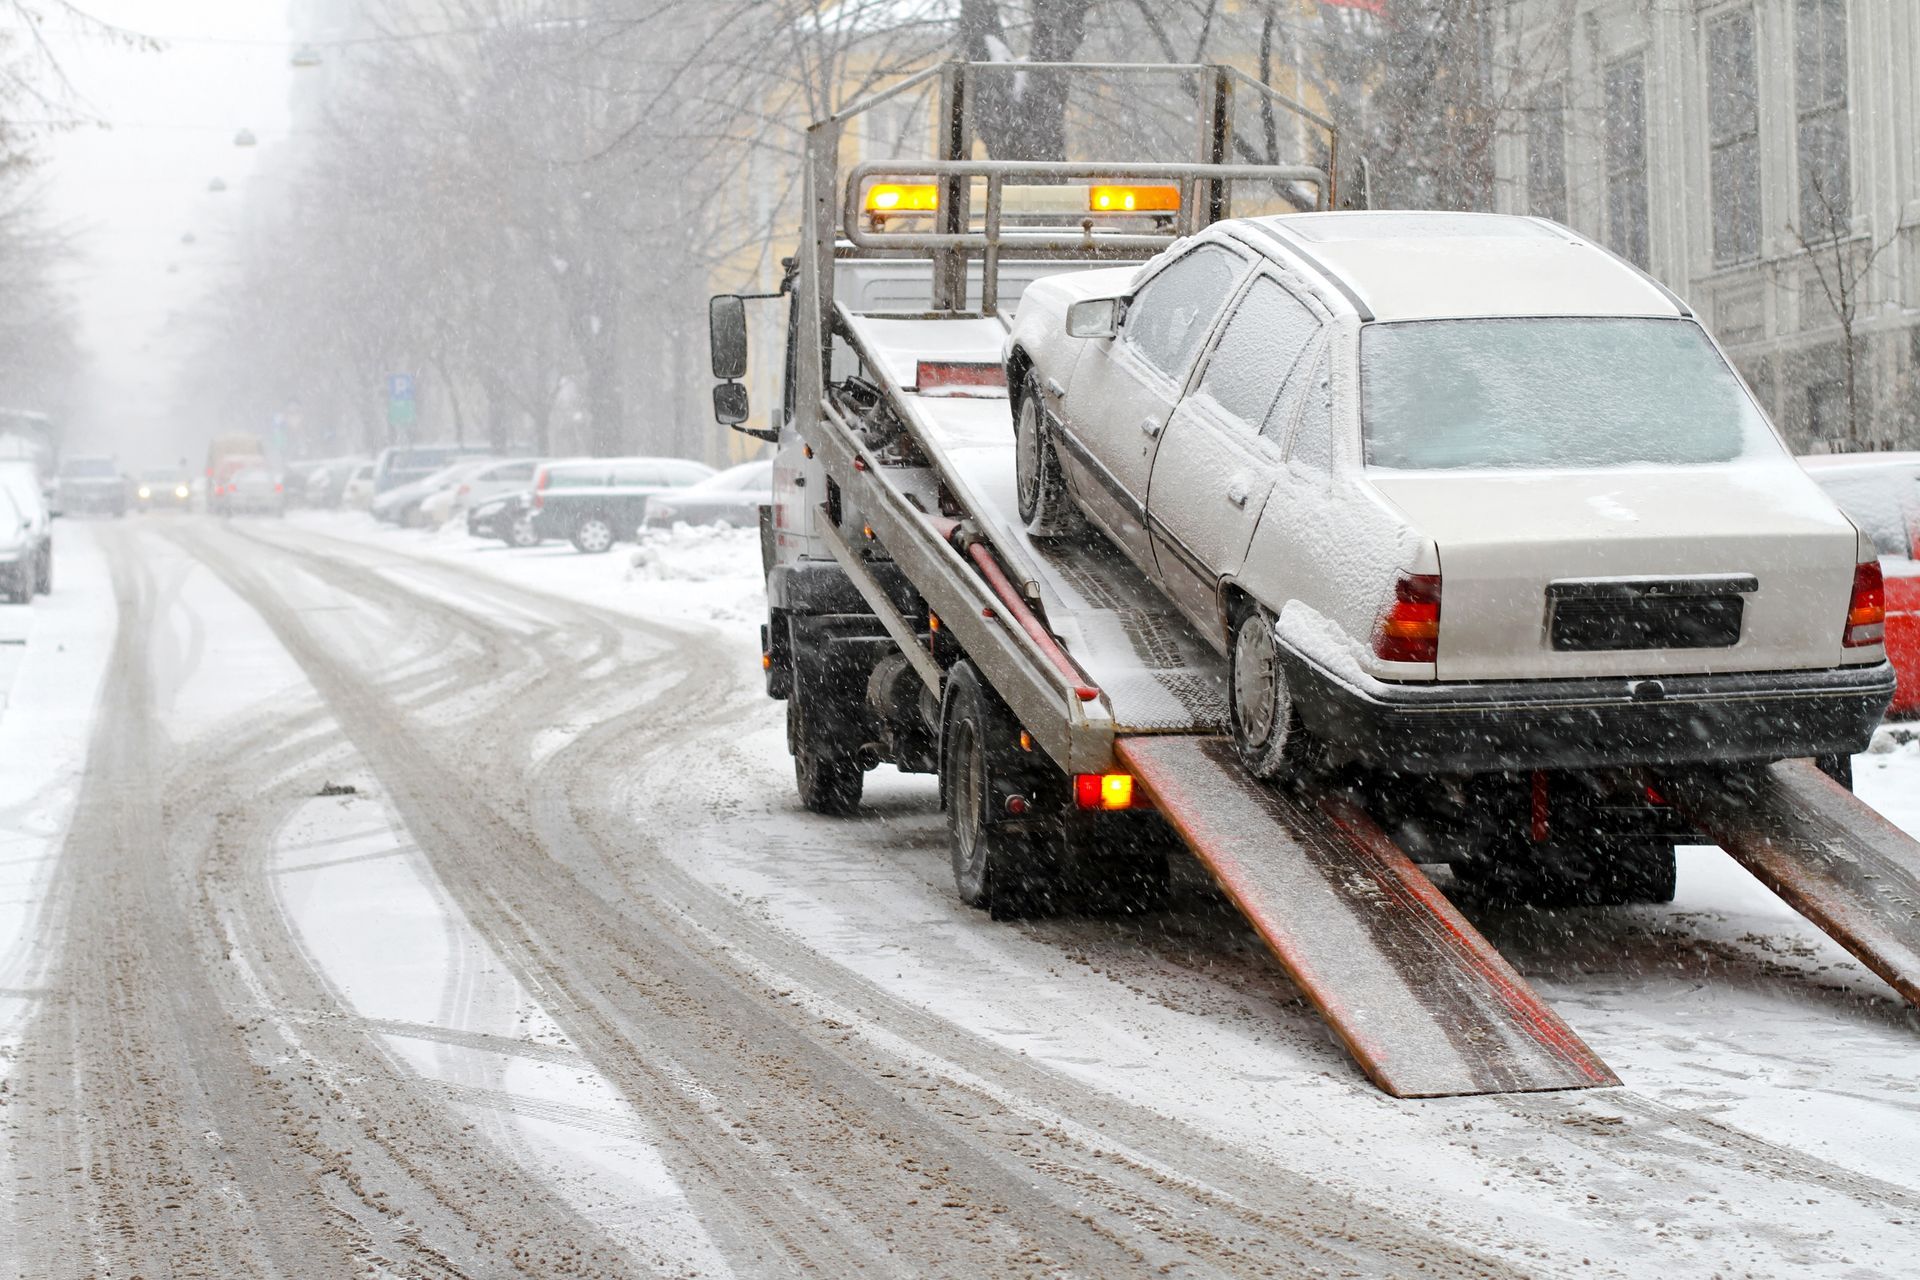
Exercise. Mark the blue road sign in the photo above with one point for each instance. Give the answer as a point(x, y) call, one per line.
point(400, 386)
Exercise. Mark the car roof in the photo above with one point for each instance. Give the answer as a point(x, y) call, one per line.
point(1430, 265)
point(1892, 460)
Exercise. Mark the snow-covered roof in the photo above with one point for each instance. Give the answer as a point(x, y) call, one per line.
point(1434, 265)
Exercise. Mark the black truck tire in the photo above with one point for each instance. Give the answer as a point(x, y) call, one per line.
point(823, 733)
point(1005, 872)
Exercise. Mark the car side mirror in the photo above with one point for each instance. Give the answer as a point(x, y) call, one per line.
point(1094, 318)
point(730, 403)
point(727, 336)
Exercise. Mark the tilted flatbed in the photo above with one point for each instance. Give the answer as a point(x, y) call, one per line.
point(1073, 715)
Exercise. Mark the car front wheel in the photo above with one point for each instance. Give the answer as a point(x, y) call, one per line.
point(1266, 728)
point(1045, 508)
point(521, 533)
point(592, 536)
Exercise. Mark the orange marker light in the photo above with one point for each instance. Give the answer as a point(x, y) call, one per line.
point(1133, 199)
point(901, 197)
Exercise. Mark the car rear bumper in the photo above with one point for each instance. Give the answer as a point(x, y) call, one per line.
point(1486, 727)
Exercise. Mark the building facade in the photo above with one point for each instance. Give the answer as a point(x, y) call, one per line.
point(1762, 158)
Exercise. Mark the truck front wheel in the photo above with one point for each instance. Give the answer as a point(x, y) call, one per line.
point(828, 777)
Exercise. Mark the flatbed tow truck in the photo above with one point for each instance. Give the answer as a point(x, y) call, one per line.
point(1073, 717)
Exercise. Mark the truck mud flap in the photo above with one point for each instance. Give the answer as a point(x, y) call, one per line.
point(1423, 1002)
point(1826, 853)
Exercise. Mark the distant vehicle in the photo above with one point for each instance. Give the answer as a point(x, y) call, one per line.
point(227, 457)
point(734, 497)
point(403, 464)
point(254, 491)
point(508, 517)
point(401, 504)
point(457, 496)
point(164, 489)
point(1881, 492)
point(91, 486)
point(30, 436)
point(19, 568)
point(596, 502)
point(20, 479)
point(357, 493)
point(326, 480)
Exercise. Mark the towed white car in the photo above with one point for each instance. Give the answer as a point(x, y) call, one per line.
point(1455, 493)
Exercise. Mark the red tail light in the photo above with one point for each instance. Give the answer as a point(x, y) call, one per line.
point(1409, 631)
point(1867, 612)
point(278, 487)
point(465, 489)
point(1108, 791)
point(539, 488)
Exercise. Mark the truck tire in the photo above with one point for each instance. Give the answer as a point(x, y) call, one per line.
point(1003, 872)
point(593, 535)
point(1045, 507)
point(822, 734)
point(828, 784)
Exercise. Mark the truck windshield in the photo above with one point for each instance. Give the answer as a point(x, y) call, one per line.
point(1552, 393)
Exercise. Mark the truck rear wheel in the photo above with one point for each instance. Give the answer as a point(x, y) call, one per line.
point(1002, 871)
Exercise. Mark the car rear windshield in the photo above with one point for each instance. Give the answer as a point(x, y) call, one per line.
point(1552, 393)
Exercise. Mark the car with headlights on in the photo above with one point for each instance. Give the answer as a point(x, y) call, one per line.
point(1451, 494)
point(733, 497)
point(164, 489)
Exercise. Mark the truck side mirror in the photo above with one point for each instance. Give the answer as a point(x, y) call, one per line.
point(1094, 318)
point(727, 336)
point(730, 403)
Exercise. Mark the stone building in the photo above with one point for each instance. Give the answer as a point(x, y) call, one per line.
point(1761, 157)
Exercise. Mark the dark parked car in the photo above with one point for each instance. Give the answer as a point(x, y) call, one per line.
point(733, 497)
point(596, 502)
point(165, 490)
point(508, 517)
point(91, 486)
point(20, 479)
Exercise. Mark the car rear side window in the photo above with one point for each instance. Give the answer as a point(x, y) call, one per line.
point(1553, 393)
point(1267, 335)
point(1173, 312)
point(512, 471)
point(1312, 445)
point(577, 478)
point(640, 473)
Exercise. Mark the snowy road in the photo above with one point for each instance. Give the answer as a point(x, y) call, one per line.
point(422, 910)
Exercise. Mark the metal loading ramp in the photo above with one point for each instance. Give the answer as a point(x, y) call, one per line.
point(1422, 1001)
point(1826, 853)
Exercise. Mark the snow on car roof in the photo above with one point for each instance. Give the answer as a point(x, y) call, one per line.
point(1435, 266)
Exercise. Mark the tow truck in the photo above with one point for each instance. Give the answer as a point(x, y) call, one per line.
point(1074, 720)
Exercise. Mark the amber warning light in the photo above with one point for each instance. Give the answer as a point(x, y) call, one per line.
point(900, 197)
point(1133, 199)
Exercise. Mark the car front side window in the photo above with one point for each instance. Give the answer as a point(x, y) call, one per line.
point(1266, 337)
point(1173, 312)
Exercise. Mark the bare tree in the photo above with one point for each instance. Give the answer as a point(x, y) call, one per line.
point(1842, 268)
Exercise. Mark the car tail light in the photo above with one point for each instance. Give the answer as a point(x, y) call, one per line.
point(278, 487)
point(1867, 611)
point(464, 490)
point(1409, 630)
point(1107, 791)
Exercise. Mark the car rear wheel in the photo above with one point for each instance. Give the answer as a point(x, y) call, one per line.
point(593, 536)
point(1266, 726)
point(44, 579)
point(1045, 507)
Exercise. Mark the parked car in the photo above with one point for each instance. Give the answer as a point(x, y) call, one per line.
point(357, 493)
point(253, 491)
point(403, 464)
point(1453, 493)
point(734, 497)
point(19, 563)
point(508, 517)
point(164, 489)
point(596, 502)
point(91, 486)
point(323, 483)
point(21, 479)
point(401, 505)
point(1881, 492)
point(454, 498)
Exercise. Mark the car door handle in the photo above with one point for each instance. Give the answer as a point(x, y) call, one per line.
point(1150, 427)
point(1238, 493)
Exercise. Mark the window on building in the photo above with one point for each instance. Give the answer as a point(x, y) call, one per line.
point(1626, 125)
point(1547, 154)
point(1820, 103)
point(1733, 126)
